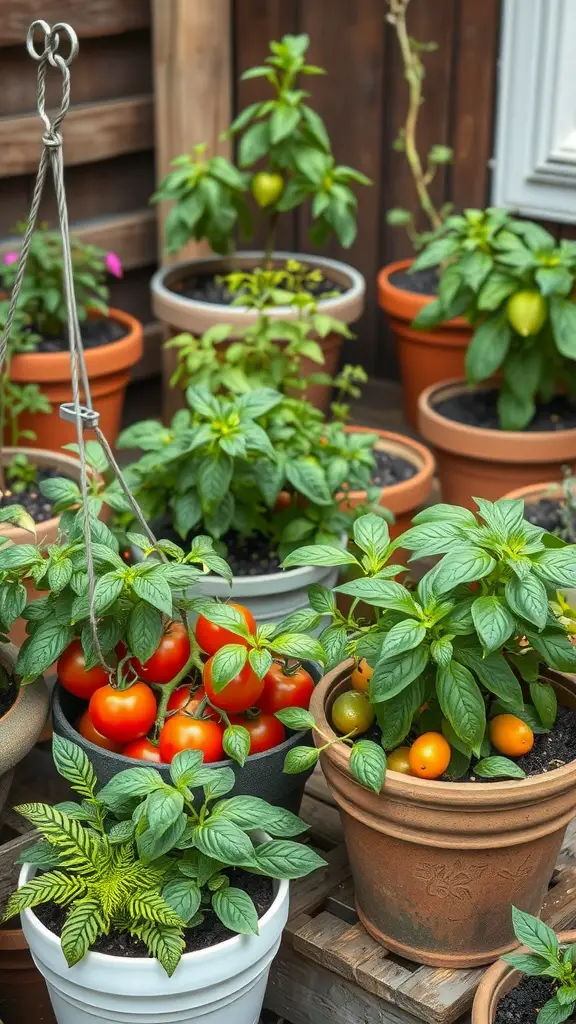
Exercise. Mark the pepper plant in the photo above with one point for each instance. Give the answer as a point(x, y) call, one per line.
point(548, 959)
point(152, 859)
point(514, 282)
point(16, 399)
point(470, 642)
point(290, 138)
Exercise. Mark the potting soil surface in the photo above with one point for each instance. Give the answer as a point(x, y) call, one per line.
point(479, 409)
point(39, 507)
point(210, 288)
point(522, 1004)
point(207, 934)
point(7, 695)
point(391, 469)
point(548, 514)
point(422, 282)
point(95, 333)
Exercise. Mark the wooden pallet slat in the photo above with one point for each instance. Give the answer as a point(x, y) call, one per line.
point(93, 18)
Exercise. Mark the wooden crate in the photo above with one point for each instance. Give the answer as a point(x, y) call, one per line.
point(330, 971)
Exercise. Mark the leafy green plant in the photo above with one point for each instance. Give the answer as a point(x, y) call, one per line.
point(549, 959)
point(16, 398)
point(151, 859)
point(423, 171)
point(478, 623)
point(514, 283)
point(291, 139)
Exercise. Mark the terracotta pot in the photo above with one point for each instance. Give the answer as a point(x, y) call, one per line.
point(23, 993)
point(108, 370)
point(179, 313)
point(425, 356)
point(437, 865)
point(22, 724)
point(498, 981)
point(47, 532)
point(475, 461)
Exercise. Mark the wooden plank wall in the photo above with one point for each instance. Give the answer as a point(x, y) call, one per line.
point(108, 135)
point(363, 100)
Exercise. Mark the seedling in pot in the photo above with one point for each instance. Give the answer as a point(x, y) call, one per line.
point(457, 662)
point(147, 858)
point(549, 959)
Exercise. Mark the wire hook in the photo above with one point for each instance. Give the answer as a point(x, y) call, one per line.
point(52, 42)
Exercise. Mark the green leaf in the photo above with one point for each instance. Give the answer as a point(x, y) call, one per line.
point(442, 651)
point(554, 1011)
point(13, 600)
point(260, 661)
point(154, 589)
point(334, 640)
point(368, 764)
point(528, 599)
point(187, 512)
point(466, 564)
point(433, 538)
point(461, 701)
point(214, 478)
point(130, 783)
point(392, 675)
point(404, 636)
point(73, 765)
point(83, 925)
point(163, 808)
point(381, 594)
point(144, 631)
point(221, 781)
point(495, 767)
point(528, 963)
point(56, 886)
point(371, 535)
point(319, 554)
point(494, 673)
point(183, 896)
point(152, 844)
point(545, 701)
point(563, 320)
point(283, 121)
point(556, 650)
point(43, 648)
point(532, 932)
point(296, 719)
point(224, 841)
point(284, 859)
point(556, 566)
point(226, 664)
point(300, 759)
point(308, 478)
point(493, 621)
point(236, 910)
point(254, 144)
point(236, 743)
point(108, 588)
point(395, 716)
point(296, 645)
point(489, 346)
point(184, 766)
point(249, 812)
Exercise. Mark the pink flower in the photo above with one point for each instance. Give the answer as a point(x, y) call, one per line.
point(11, 257)
point(114, 264)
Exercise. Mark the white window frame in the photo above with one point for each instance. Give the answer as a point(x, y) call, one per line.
point(535, 150)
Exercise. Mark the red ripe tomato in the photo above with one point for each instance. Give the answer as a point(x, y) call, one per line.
point(85, 727)
point(241, 693)
point(123, 715)
point(143, 750)
point(169, 657)
point(265, 731)
point(181, 732)
point(73, 675)
point(286, 689)
point(183, 699)
point(212, 637)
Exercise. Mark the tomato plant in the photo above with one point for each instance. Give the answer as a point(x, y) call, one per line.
point(241, 693)
point(143, 750)
point(87, 729)
point(265, 731)
point(74, 676)
point(182, 732)
point(169, 658)
point(212, 637)
point(123, 715)
point(286, 687)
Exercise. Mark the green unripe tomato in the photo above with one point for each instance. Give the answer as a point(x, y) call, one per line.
point(267, 188)
point(352, 712)
point(527, 312)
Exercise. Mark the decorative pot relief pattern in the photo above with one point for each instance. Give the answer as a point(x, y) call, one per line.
point(518, 873)
point(450, 880)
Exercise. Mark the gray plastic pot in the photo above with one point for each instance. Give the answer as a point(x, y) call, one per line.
point(269, 597)
point(261, 775)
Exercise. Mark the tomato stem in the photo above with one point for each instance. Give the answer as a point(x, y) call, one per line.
point(168, 688)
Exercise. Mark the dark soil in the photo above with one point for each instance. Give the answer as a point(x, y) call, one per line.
point(479, 409)
point(522, 1004)
point(391, 469)
point(423, 282)
point(7, 694)
point(39, 507)
point(548, 513)
point(209, 933)
point(207, 288)
point(95, 333)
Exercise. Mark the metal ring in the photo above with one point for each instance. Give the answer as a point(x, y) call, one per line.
point(45, 28)
point(66, 30)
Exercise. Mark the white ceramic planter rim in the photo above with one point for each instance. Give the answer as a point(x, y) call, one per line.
point(235, 315)
point(263, 583)
point(136, 966)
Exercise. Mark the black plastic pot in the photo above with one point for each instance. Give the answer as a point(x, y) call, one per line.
point(261, 775)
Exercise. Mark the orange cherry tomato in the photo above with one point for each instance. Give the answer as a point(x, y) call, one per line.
point(399, 760)
point(181, 732)
point(361, 675)
point(212, 637)
point(123, 715)
point(86, 728)
point(510, 735)
point(74, 676)
point(241, 693)
point(286, 688)
point(429, 755)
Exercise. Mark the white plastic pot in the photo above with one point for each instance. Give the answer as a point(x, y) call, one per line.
point(269, 596)
point(224, 984)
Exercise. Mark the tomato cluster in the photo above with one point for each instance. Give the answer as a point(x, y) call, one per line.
point(124, 719)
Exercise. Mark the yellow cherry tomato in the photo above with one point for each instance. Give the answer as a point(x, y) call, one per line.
point(527, 311)
point(361, 676)
point(510, 735)
point(399, 760)
point(430, 755)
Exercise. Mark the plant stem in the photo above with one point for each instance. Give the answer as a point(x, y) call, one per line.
point(168, 688)
point(413, 72)
point(270, 240)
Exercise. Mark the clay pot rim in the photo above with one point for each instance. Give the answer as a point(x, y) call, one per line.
point(500, 979)
point(25, 718)
point(536, 492)
point(46, 367)
point(413, 788)
point(405, 305)
point(407, 494)
point(68, 464)
point(176, 309)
